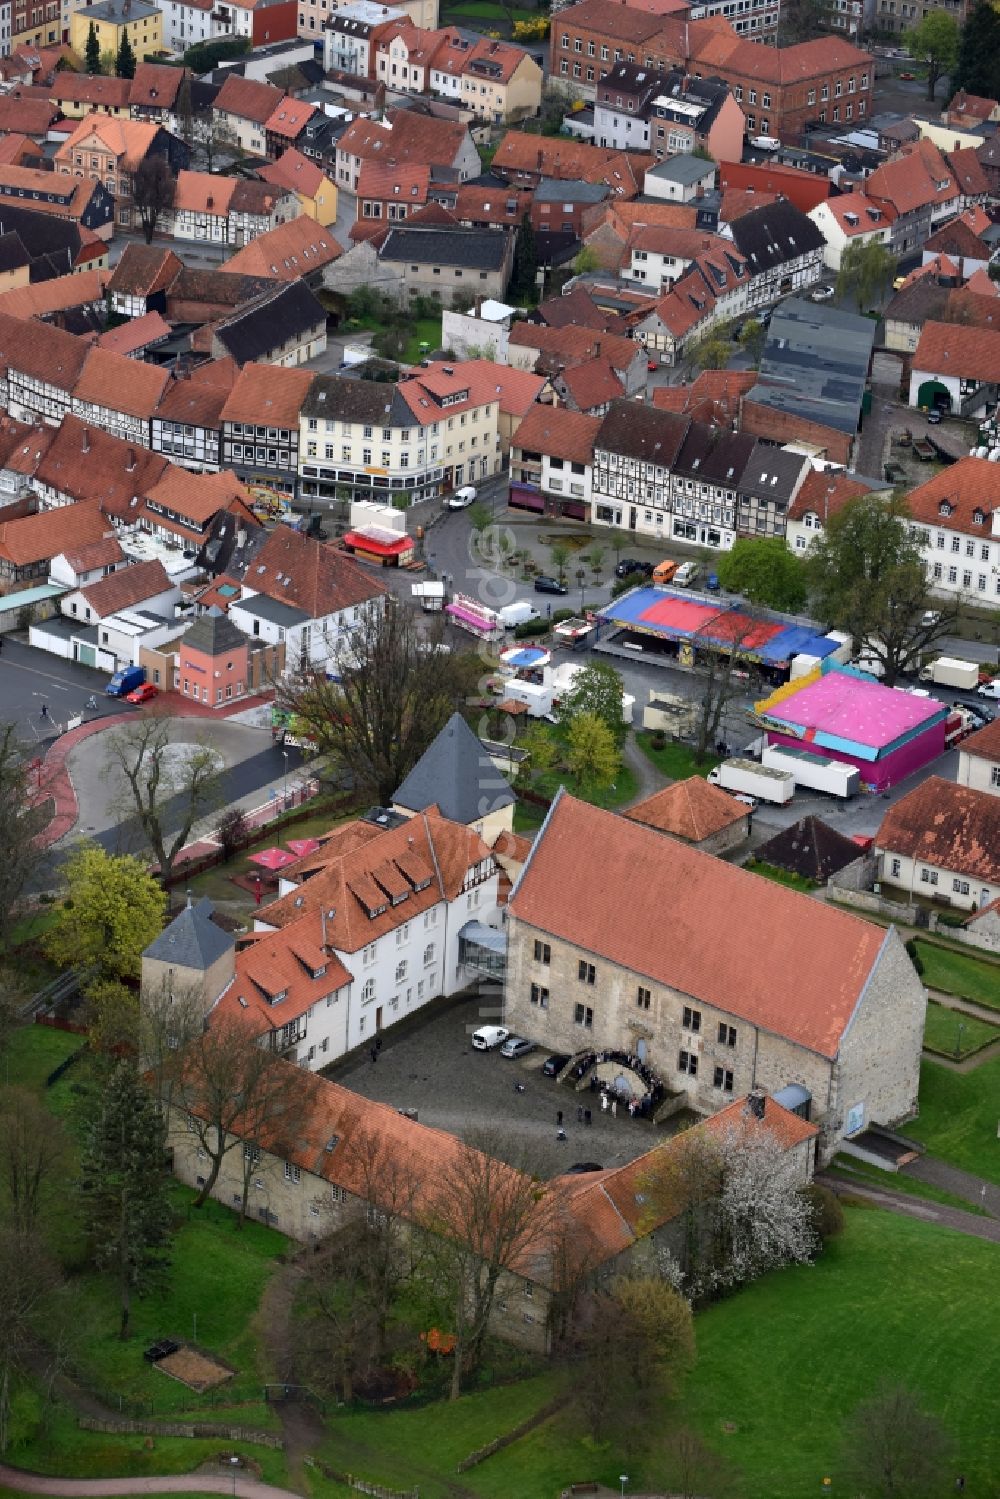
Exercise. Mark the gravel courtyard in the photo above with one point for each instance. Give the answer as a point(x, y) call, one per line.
point(428, 1064)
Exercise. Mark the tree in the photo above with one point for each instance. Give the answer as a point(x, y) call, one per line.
point(124, 1186)
point(113, 911)
point(597, 689)
point(721, 669)
point(34, 1153)
point(868, 578)
point(561, 556)
point(112, 1020)
point(865, 271)
point(166, 788)
point(485, 1216)
point(153, 188)
point(233, 1092)
point(393, 697)
point(171, 1016)
point(479, 516)
point(586, 260)
point(753, 336)
point(634, 1346)
point(977, 69)
point(92, 51)
point(592, 755)
point(690, 1468)
point(800, 21)
point(125, 61)
point(765, 571)
point(934, 41)
point(233, 832)
point(540, 753)
point(710, 352)
point(525, 259)
point(595, 560)
point(894, 1448)
point(27, 1277)
point(22, 818)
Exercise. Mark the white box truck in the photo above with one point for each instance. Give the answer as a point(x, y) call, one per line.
point(948, 671)
point(517, 613)
point(754, 780)
point(536, 698)
point(819, 774)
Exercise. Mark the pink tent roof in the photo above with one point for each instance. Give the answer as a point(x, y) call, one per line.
point(272, 858)
point(302, 846)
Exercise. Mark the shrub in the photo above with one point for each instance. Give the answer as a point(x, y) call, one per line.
point(530, 628)
point(827, 1213)
point(562, 614)
point(658, 740)
point(911, 948)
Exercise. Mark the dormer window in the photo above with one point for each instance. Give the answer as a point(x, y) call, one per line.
point(275, 999)
point(944, 508)
point(978, 517)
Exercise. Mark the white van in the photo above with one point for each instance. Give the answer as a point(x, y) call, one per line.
point(686, 573)
point(489, 1036)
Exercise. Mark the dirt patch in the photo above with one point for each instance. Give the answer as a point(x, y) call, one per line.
point(196, 1370)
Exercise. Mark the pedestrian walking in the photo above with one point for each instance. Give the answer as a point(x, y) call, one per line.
point(579, 1113)
point(559, 1117)
point(593, 1082)
point(604, 1103)
point(614, 1108)
point(45, 710)
point(586, 1116)
point(374, 1056)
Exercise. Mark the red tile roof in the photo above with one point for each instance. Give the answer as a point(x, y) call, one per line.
point(39, 538)
point(285, 253)
point(115, 383)
point(268, 395)
point(197, 497)
point(127, 140)
point(559, 433)
point(104, 553)
point(138, 333)
point(289, 118)
point(155, 85)
point(83, 88)
point(591, 385)
point(692, 810)
point(918, 175)
point(283, 962)
point(144, 269)
point(247, 99)
point(599, 881)
point(952, 349)
point(42, 351)
point(947, 826)
point(407, 182)
point(404, 137)
point(985, 742)
point(43, 297)
point(127, 588)
point(713, 397)
point(88, 463)
point(309, 575)
point(295, 172)
point(203, 192)
point(825, 493)
point(968, 171)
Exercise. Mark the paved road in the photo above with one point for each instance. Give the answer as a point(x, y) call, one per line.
point(30, 678)
point(917, 1207)
point(21, 1482)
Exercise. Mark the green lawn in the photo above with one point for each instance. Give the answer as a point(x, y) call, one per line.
point(33, 1051)
point(959, 1114)
point(959, 973)
point(674, 760)
point(955, 1034)
point(217, 883)
point(488, 10)
point(216, 1277)
point(788, 1359)
point(781, 876)
point(623, 790)
point(424, 330)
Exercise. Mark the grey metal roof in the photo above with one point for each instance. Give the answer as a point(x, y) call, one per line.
point(214, 634)
point(192, 940)
point(550, 191)
point(276, 611)
point(472, 249)
point(456, 773)
point(815, 364)
point(682, 168)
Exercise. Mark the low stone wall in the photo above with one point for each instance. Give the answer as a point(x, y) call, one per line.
point(509, 1437)
point(126, 1427)
point(361, 1485)
point(867, 900)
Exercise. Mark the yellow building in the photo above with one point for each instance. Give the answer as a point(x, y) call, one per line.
point(316, 194)
point(140, 21)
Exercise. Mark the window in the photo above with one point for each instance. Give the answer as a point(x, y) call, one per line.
point(368, 992)
point(995, 775)
point(960, 887)
point(727, 1034)
point(642, 998)
point(540, 996)
point(691, 1019)
point(428, 954)
point(292, 1173)
point(723, 1079)
point(583, 1015)
point(251, 1154)
point(928, 876)
point(895, 868)
point(687, 1062)
point(586, 972)
point(543, 952)
point(400, 971)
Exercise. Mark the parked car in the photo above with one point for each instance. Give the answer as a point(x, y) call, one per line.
point(545, 584)
point(462, 498)
point(516, 1046)
point(766, 142)
point(821, 293)
point(553, 1065)
point(976, 711)
point(630, 565)
point(990, 689)
point(489, 1036)
point(651, 364)
point(928, 618)
point(933, 416)
point(579, 1167)
point(664, 571)
point(141, 694)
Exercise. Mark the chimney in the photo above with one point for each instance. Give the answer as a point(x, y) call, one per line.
point(322, 923)
point(756, 1101)
point(86, 440)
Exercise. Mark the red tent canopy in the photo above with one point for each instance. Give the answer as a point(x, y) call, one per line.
point(272, 858)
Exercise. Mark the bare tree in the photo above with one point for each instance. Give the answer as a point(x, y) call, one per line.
point(171, 1015)
point(167, 788)
point(22, 817)
point(893, 1448)
point(27, 1276)
point(271, 1118)
point(34, 1154)
point(233, 1091)
point(722, 669)
point(153, 189)
point(490, 1219)
point(690, 1468)
point(393, 696)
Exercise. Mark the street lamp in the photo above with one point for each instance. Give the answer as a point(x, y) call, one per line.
point(623, 1480)
point(958, 1040)
point(581, 578)
point(284, 803)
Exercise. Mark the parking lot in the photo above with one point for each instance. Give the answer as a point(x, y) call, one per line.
point(428, 1064)
point(31, 678)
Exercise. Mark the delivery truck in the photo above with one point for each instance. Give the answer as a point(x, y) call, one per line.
point(948, 671)
point(126, 680)
point(751, 779)
point(819, 774)
point(518, 613)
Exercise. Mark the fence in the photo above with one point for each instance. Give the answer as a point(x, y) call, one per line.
point(64, 1066)
point(127, 1427)
point(295, 810)
point(60, 1023)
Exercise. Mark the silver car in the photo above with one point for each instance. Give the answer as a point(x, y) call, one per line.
point(516, 1046)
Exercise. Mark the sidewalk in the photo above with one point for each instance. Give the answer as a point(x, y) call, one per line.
point(917, 1207)
point(20, 1482)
